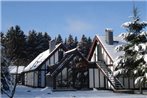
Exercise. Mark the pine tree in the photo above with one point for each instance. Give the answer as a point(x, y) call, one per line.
point(46, 39)
point(43, 42)
point(5, 75)
point(84, 45)
point(70, 42)
point(59, 39)
point(89, 42)
point(14, 53)
point(65, 42)
point(76, 42)
point(14, 43)
point(32, 43)
point(134, 60)
point(37, 42)
point(40, 44)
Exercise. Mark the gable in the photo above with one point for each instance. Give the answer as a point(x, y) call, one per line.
point(68, 57)
point(42, 58)
point(109, 49)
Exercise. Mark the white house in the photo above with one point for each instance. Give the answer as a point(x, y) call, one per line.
point(70, 73)
point(35, 72)
point(17, 70)
point(103, 53)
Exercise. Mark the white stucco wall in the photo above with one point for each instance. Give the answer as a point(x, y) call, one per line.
point(31, 78)
point(91, 78)
point(56, 57)
point(51, 60)
point(96, 78)
point(42, 78)
point(36, 78)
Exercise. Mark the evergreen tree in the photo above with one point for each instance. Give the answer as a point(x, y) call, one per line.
point(5, 75)
point(6, 83)
point(37, 42)
point(14, 53)
point(84, 45)
point(59, 39)
point(65, 42)
point(14, 43)
point(76, 42)
point(134, 60)
point(40, 44)
point(46, 39)
point(89, 44)
point(43, 42)
point(32, 43)
point(70, 42)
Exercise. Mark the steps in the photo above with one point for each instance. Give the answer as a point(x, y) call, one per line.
point(124, 91)
point(117, 86)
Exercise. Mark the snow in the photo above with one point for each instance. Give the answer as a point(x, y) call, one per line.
point(138, 80)
point(119, 48)
point(144, 33)
point(141, 47)
point(117, 62)
point(39, 59)
point(126, 24)
point(125, 35)
point(13, 69)
point(145, 75)
point(143, 23)
point(145, 58)
point(109, 29)
point(70, 50)
point(111, 48)
point(138, 57)
point(118, 72)
point(27, 92)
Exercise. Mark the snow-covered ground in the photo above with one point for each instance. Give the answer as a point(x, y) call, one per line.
point(27, 92)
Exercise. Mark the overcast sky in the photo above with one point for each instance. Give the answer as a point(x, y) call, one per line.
point(74, 17)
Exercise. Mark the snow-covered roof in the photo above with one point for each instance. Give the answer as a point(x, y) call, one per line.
point(111, 48)
point(40, 59)
point(69, 51)
point(37, 61)
point(13, 69)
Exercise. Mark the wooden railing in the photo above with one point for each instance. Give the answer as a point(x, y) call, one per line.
point(105, 74)
point(114, 77)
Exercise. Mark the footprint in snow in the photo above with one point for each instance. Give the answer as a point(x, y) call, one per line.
point(28, 90)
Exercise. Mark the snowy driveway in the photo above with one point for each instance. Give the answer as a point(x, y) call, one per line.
point(26, 92)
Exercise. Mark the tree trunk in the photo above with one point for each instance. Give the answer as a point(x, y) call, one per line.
point(140, 88)
point(16, 81)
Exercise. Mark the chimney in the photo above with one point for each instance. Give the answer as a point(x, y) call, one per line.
point(52, 44)
point(109, 36)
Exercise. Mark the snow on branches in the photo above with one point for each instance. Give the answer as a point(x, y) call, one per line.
point(135, 23)
point(145, 58)
point(134, 59)
point(142, 47)
point(119, 48)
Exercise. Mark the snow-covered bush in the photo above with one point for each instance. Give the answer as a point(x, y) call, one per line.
point(6, 83)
